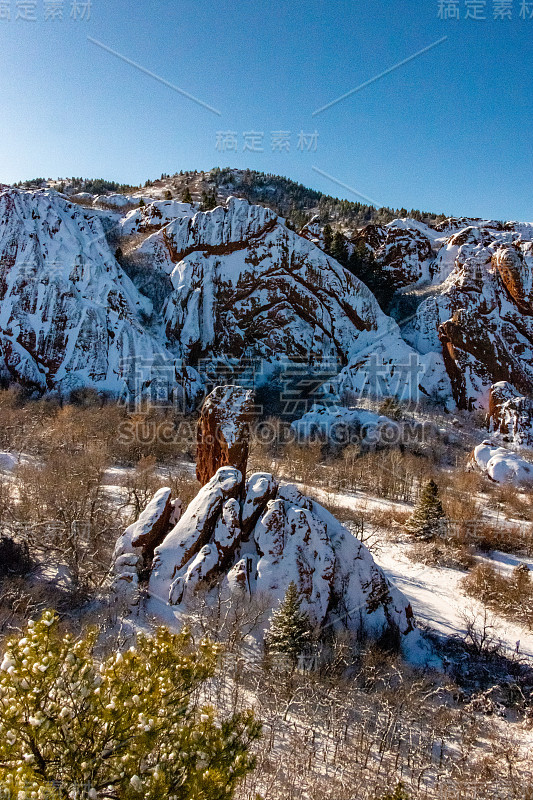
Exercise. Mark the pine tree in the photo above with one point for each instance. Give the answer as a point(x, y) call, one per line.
point(168, 195)
point(141, 203)
point(339, 251)
point(186, 196)
point(124, 725)
point(328, 238)
point(428, 518)
point(290, 630)
point(398, 794)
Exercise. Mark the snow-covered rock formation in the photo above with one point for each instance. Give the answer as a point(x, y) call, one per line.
point(223, 431)
point(251, 539)
point(511, 414)
point(474, 279)
point(69, 315)
point(501, 465)
point(134, 549)
point(235, 290)
point(238, 288)
point(346, 425)
point(257, 542)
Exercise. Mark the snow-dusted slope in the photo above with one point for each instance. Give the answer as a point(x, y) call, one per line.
point(240, 288)
point(69, 316)
point(478, 308)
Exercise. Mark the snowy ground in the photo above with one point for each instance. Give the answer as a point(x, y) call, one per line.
point(435, 593)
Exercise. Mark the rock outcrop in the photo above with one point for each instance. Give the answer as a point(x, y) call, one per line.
point(230, 289)
point(134, 550)
point(251, 541)
point(403, 249)
point(69, 315)
point(511, 415)
point(235, 290)
point(259, 544)
point(222, 438)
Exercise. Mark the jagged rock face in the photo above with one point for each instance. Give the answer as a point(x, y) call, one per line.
point(475, 282)
point(488, 336)
point(501, 465)
point(478, 311)
point(69, 316)
point(256, 545)
point(248, 287)
point(403, 249)
point(239, 287)
point(222, 438)
point(134, 550)
point(515, 272)
point(511, 414)
point(460, 223)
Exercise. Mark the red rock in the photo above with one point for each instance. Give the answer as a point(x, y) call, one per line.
point(223, 431)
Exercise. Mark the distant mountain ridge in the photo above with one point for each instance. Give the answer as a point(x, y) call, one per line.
point(93, 285)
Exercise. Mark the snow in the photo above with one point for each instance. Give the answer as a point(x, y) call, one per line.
point(435, 593)
point(243, 287)
point(338, 423)
point(502, 465)
point(286, 537)
point(154, 215)
point(128, 554)
point(117, 200)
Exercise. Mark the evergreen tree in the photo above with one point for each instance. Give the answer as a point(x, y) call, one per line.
point(186, 196)
point(428, 518)
point(128, 725)
point(209, 201)
point(391, 408)
point(290, 630)
point(328, 238)
point(168, 195)
point(141, 203)
point(339, 250)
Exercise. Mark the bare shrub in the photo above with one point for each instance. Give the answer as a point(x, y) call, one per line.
point(480, 633)
point(442, 553)
point(509, 596)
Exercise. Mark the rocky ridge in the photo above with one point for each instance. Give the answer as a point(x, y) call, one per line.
point(251, 538)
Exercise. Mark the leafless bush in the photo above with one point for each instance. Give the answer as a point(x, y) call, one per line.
point(442, 553)
point(510, 596)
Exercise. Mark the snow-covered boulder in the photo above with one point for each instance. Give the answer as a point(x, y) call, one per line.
point(134, 549)
point(501, 465)
point(292, 538)
point(346, 425)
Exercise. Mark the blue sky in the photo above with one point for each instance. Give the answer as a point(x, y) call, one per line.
point(449, 131)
